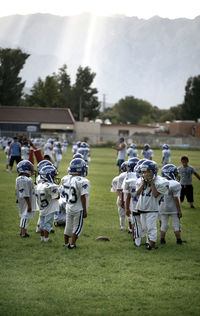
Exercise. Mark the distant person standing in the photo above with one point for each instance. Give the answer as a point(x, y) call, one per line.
point(185, 172)
point(64, 146)
point(25, 151)
point(147, 152)
point(132, 151)
point(14, 152)
point(7, 156)
point(57, 154)
point(166, 155)
point(121, 151)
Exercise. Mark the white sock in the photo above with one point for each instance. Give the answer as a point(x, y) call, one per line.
point(42, 238)
point(46, 239)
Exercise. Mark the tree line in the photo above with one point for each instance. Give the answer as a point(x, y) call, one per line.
point(56, 90)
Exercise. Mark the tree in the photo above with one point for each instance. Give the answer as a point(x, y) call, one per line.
point(11, 86)
point(191, 105)
point(84, 99)
point(131, 110)
point(64, 86)
point(44, 93)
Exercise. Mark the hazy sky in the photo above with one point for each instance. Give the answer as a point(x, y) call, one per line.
point(141, 8)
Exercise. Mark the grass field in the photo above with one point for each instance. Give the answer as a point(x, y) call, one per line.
point(98, 278)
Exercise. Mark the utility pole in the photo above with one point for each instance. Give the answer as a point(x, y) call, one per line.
point(104, 102)
point(80, 109)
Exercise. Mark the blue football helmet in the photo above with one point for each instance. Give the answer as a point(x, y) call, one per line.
point(169, 171)
point(165, 146)
point(123, 166)
point(49, 173)
point(78, 155)
point(42, 164)
point(78, 166)
point(25, 166)
point(132, 162)
point(146, 146)
point(84, 145)
point(137, 167)
point(149, 165)
point(133, 146)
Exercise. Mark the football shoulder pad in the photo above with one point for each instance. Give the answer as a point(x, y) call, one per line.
point(162, 185)
point(114, 184)
point(65, 179)
point(174, 186)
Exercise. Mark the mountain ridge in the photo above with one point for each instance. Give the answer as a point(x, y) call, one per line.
point(150, 59)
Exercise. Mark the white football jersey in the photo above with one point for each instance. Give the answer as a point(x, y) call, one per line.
point(147, 154)
point(146, 201)
point(85, 152)
point(47, 198)
point(129, 175)
point(57, 153)
point(132, 152)
point(74, 149)
point(121, 178)
point(166, 154)
point(48, 149)
point(38, 179)
point(25, 151)
point(129, 186)
point(167, 205)
point(24, 188)
point(75, 187)
point(114, 184)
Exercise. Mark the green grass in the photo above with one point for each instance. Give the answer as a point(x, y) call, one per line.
point(98, 278)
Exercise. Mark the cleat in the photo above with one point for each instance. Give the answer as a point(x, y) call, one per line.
point(151, 248)
point(71, 246)
point(162, 241)
point(25, 236)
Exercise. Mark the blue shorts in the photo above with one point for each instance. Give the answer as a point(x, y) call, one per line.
point(119, 162)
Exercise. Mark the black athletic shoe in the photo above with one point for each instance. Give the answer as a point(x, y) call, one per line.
point(52, 231)
point(151, 248)
point(25, 236)
point(71, 246)
point(192, 206)
point(162, 241)
point(179, 241)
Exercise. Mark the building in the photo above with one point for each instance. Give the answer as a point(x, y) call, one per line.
point(180, 128)
point(35, 121)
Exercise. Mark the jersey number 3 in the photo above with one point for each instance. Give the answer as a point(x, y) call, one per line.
point(73, 196)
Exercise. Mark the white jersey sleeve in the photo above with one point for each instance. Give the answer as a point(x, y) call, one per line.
point(114, 184)
point(162, 185)
point(120, 180)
